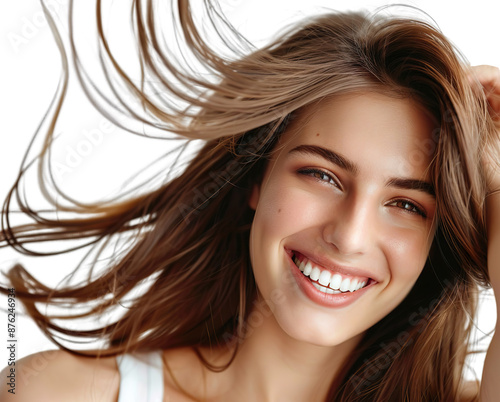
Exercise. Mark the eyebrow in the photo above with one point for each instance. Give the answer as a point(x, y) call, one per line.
point(329, 155)
point(344, 163)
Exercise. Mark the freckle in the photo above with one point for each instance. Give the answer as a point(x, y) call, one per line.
point(279, 210)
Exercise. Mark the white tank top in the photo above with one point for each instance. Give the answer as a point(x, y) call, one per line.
point(141, 377)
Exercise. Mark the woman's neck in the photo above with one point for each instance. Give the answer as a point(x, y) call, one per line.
point(277, 367)
point(271, 366)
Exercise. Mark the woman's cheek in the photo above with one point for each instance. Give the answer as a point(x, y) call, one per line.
point(407, 252)
point(288, 210)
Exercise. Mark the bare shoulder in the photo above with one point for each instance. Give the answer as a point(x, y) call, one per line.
point(57, 375)
point(469, 391)
point(187, 379)
point(182, 371)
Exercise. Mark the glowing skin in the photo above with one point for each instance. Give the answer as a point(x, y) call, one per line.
point(356, 219)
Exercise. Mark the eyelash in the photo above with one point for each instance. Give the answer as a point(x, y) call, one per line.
point(310, 170)
point(415, 209)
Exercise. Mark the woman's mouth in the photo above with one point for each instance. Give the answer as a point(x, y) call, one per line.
point(327, 281)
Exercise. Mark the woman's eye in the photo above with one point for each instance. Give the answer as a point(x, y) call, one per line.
point(409, 207)
point(319, 175)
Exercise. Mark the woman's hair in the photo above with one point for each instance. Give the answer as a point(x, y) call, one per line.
point(189, 238)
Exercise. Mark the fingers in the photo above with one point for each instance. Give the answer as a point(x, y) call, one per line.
point(489, 78)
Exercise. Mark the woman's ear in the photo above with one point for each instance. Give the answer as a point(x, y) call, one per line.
point(254, 197)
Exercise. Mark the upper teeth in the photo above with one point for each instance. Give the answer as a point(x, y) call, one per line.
point(328, 279)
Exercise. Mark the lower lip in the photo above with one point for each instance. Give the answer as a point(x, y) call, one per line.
point(321, 298)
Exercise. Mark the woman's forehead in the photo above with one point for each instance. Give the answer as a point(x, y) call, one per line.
point(352, 119)
point(368, 128)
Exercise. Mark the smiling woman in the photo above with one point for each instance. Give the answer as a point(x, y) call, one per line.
point(341, 240)
point(333, 197)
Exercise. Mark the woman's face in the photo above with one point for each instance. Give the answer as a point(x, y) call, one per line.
point(348, 193)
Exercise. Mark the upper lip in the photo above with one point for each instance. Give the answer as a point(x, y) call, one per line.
point(333, 266)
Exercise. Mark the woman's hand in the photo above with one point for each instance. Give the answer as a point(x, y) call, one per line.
point(489, 78)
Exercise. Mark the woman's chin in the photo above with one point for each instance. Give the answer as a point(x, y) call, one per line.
point(313, 333)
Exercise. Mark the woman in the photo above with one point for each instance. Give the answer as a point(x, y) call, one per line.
point(326, 243)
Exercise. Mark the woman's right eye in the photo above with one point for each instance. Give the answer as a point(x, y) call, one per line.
point(320, 175)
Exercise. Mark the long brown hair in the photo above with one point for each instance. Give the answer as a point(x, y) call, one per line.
point(189, 237)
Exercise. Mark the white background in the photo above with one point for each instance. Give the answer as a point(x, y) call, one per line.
point(29, 73)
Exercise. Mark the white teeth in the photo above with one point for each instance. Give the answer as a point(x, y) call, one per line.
point(307, 269)
point(344, 286)
point(324, 278)
point(335, 281)
point(325, 290)
point(314, 275)
point(332, 284)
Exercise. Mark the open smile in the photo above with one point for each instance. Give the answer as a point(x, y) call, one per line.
point(326, 280)
point(326, 287)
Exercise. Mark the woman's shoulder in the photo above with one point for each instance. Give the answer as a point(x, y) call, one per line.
point(57, 375)
point(469, 391)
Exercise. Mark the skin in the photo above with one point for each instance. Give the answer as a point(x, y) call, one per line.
point(282, 359)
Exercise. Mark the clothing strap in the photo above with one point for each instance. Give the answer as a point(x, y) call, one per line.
point(141, 377)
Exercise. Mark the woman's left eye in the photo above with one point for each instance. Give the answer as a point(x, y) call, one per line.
point(409, 207)
point(319, 175)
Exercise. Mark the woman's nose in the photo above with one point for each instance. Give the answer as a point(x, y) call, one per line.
point(350, 226)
